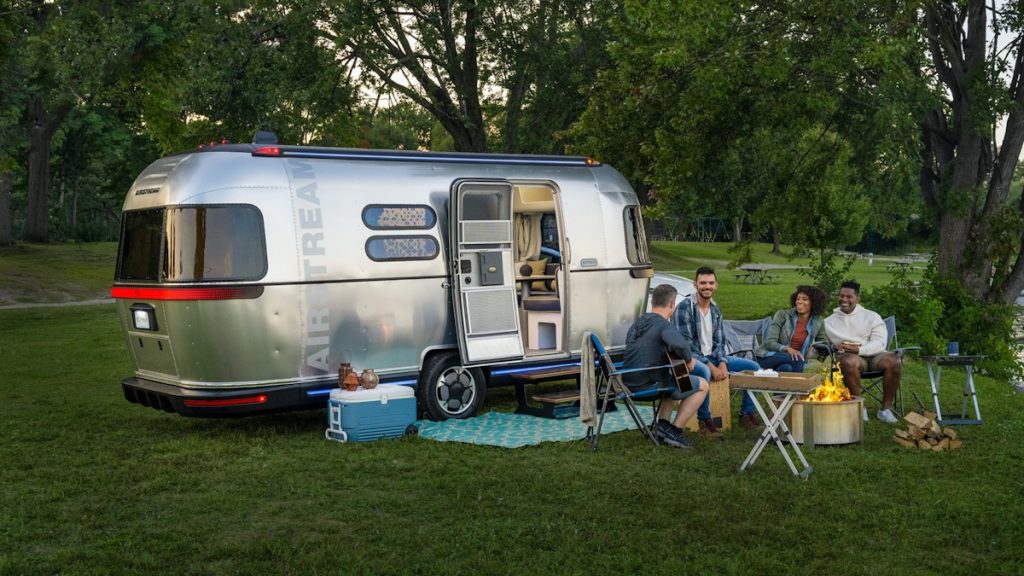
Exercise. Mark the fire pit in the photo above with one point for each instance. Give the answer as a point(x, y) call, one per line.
point(816, 423)
point(828, 415)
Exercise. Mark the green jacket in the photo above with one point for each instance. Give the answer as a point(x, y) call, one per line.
point(780, 332)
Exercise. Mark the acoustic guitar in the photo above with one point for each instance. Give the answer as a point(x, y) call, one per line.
point(680, 372)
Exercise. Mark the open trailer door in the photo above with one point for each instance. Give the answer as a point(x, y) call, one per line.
point(484, 294)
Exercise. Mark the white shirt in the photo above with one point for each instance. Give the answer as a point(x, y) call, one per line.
point(706, 333)
point(861, 326)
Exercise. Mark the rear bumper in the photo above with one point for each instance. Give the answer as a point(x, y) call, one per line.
point(219, 403)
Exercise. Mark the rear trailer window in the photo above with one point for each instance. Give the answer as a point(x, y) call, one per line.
point(193, 244)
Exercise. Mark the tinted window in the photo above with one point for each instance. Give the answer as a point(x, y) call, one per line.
point(214, 243)
point(139, 252)
point(397, 217)
point(192, 244)
point(636, 243)
point(385, 248)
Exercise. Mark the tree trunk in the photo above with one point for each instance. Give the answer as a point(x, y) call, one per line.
point(776, 245)
point(6, 183)
point(514, 112)
point(737, 229)
point(40, 134)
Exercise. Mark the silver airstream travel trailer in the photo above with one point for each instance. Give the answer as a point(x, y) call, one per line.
point(247, 273)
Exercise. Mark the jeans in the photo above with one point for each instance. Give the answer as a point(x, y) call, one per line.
point(736, 364)
point(781, 362)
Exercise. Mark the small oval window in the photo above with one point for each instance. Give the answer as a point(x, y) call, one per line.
point(390, 248)
point(398, 217)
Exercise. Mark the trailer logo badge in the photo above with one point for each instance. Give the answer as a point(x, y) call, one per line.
point(317, 336)
point(143, 191)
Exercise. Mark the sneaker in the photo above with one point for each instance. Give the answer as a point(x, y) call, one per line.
point(750, 421)
point(674, 437)
point(661, 428)
point(865, 412)
point(887, 416)
point(707, 429)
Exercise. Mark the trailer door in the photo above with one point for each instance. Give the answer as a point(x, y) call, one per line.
point(484, 293)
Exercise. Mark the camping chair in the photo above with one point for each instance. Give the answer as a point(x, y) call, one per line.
point(742, 337)
point(611, 388)
point(871, 380)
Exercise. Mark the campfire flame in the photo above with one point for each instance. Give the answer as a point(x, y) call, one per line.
point(832, 390)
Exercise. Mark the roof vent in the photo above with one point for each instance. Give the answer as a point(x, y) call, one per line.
point(261, 137)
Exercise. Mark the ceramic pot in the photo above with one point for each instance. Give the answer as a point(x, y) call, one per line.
point(351, 382)
point(369, 379)
point(344, 369)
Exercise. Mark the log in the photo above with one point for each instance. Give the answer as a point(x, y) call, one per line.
point(905, 443)
point(917, 420)
point(944, 443)
point(955, 444)
point(950, 433)
point(935, 430)
point(902, 434)
point(915, 432)
point(931, 415)
point(924, 445)
point(932, 441)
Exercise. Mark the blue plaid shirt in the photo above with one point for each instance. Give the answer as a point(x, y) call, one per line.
point(687, 320)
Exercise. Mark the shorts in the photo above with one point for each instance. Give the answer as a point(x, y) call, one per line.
point(870, 363)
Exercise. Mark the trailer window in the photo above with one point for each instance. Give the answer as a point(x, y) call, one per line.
point(636, 242)
point(192, 244)
point(389, 248)
point(399, 217)
point(210, 243)
point(139, 254)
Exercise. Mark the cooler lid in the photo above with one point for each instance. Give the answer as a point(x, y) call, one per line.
point(378, 394)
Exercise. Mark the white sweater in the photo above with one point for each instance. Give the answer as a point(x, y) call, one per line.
point(862, 326)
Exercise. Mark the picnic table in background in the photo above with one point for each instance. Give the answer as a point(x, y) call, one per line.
point(759, 273)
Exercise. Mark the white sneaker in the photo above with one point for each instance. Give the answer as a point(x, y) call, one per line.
point(865, 410)
point(887, 416)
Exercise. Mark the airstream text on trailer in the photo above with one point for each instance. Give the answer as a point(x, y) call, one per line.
point(247, 273)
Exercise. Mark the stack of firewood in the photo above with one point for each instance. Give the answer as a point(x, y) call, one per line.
point(923, 432)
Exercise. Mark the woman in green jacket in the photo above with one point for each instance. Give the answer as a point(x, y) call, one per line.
point(793, 330)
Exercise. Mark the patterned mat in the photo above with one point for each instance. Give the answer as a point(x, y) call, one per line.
point(509, 430)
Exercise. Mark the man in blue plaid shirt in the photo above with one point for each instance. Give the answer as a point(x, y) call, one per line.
point(699, 320)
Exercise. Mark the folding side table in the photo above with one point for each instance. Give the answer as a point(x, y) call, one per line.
point(779, 394)
point(935, 364)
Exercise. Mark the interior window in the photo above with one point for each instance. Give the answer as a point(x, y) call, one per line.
point(636, 242)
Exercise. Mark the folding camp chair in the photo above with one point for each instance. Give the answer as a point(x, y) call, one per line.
point(611, 388)
point(742, 337)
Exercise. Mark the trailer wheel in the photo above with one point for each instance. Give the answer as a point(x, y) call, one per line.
point(450, 391)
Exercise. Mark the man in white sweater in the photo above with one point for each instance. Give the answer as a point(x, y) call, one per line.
point(860, 335)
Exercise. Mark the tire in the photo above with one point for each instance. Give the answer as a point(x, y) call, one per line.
point(448, 391)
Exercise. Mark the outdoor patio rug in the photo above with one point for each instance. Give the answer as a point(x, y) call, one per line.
point(517, 430)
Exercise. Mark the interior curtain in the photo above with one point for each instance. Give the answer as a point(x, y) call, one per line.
point(527, 236)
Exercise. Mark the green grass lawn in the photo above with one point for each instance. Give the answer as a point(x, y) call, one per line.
point(36, 273)
point(94, 485)
point(742, 301)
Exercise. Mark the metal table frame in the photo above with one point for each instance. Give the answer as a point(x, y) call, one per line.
point(775, 424)
point(935, 364)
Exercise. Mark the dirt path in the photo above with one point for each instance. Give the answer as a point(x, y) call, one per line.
point(57, 304)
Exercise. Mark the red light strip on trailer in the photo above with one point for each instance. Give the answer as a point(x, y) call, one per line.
point(261, 399)
point(267, 151)
point(207, 293)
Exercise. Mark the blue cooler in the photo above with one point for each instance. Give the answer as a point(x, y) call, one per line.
point(383, 412)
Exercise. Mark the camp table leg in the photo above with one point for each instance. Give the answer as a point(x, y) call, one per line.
point(772, 425)
point(933, 379)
